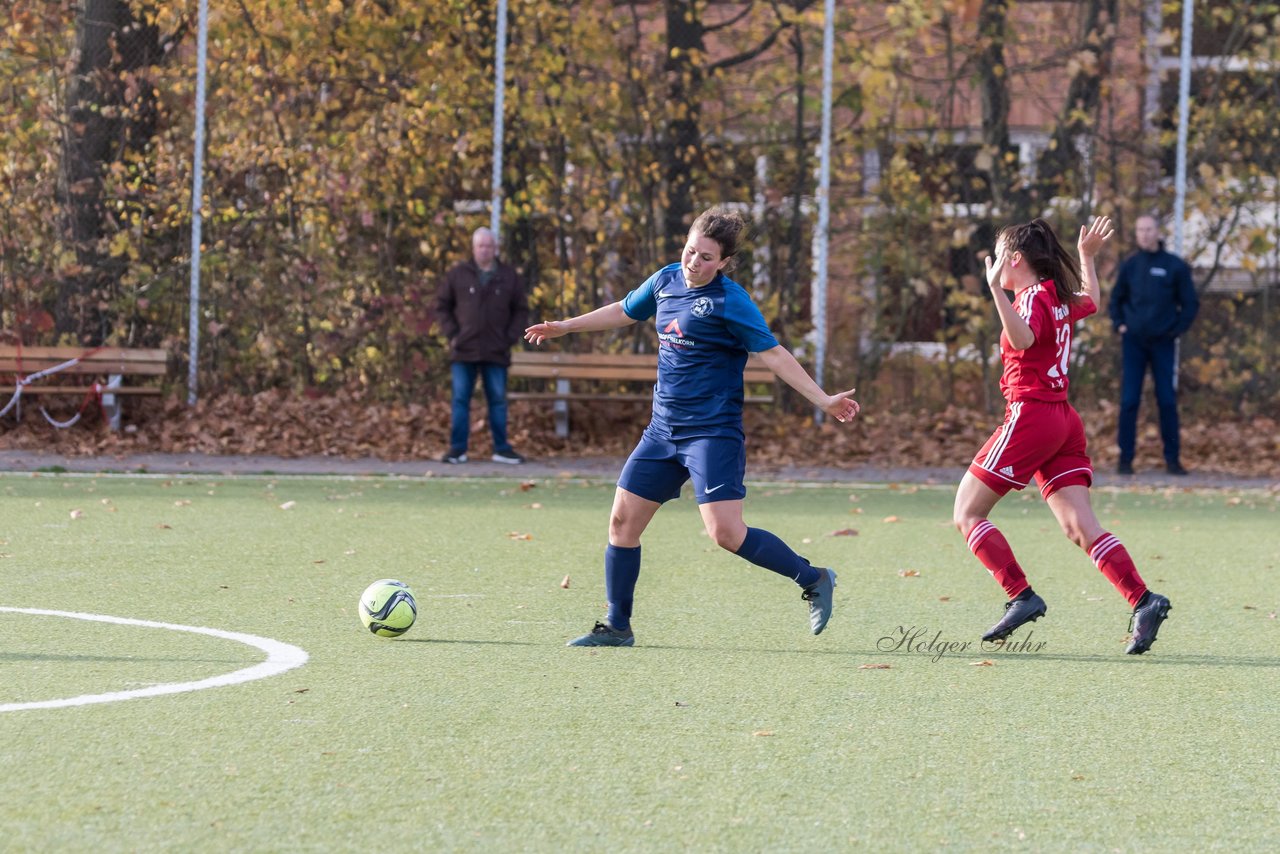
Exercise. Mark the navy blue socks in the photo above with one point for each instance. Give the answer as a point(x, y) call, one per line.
point(621, 569)
point(765, 549)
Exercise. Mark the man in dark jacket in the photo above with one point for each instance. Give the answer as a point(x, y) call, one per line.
point(482, 311)
point(1153, 303)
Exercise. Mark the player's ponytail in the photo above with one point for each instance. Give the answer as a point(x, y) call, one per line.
point(725, 227)
point(1039, 245)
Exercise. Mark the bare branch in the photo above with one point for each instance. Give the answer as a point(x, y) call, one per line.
point(748, 55)
point(711, 28)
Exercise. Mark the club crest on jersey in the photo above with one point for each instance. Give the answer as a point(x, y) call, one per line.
point(702, 306)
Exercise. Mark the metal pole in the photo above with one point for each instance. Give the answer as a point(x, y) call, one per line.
point(822, 238)
point(1184, 119)
point(197, 198)
point(499, 95)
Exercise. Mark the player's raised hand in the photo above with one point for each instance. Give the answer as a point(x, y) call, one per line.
point(842, 407)
point(994, 266)
point(544, 331)
point(1092, 238)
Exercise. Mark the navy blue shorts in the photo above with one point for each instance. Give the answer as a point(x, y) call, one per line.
point(659, 466)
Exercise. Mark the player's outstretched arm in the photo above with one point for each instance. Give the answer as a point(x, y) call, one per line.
point(1091, 241)
point(610, 316)
point(841, 407)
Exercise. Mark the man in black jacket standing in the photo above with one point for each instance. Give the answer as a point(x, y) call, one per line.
point(1153, 303)
point(482, 311)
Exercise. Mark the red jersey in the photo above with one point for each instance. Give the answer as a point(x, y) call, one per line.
point(1040, 371)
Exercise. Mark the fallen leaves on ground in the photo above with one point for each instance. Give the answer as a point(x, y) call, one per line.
point(348, 423)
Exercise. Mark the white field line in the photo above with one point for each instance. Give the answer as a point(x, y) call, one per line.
point(280, 657)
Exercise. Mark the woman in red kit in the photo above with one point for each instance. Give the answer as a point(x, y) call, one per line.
point(1042, 435)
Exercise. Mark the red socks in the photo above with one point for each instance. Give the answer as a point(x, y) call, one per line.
point(1113, 561)
point(1107, 553)
point(989, 546)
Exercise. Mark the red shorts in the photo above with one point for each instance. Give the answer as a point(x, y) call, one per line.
point(1037, 439)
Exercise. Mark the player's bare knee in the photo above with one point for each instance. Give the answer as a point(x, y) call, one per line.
point(965, 522)
point(724, 539)
point(617, 527)
point(727, 536)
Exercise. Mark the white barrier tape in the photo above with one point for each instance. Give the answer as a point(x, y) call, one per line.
point(61, 425)
point(17, 395)
point(39, 375)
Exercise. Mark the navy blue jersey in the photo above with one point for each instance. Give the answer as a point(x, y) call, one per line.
point(1154, 296)
point(704, 337)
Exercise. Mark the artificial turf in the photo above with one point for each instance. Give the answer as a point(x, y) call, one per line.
point(727, 728)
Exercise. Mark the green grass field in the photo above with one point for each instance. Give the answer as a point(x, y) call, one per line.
point(728, 728)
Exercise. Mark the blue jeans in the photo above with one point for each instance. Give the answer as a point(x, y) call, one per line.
point(494, 378)
point(1162, 355)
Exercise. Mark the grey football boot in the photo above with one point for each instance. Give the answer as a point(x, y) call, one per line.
point(820, 595)
point(605, 635)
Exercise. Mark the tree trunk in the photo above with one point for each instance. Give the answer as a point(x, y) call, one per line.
point(98, 129)
point(683, 143)
point(993, 80)
point(1059, 171)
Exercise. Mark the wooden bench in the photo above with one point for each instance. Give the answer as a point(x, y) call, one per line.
point(80, 366)
point(607, 376)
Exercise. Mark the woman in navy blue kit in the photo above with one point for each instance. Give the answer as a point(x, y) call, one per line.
point(707, 325)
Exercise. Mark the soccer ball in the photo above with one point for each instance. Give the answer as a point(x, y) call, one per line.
point(387, 608)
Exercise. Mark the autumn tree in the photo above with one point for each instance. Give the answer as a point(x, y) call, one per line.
point(79, 84)
point(349, 151)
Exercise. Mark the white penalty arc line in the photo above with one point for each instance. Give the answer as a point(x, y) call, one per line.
point(280, 658)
